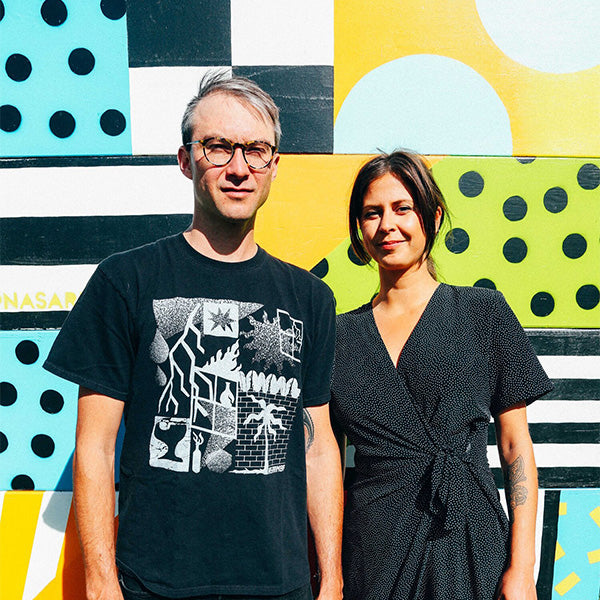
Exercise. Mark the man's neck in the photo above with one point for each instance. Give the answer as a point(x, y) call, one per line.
point(228, 243)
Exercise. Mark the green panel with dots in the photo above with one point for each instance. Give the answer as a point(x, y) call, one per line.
point(530, 228)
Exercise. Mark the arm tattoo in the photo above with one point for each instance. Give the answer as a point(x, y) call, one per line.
point(515, 474)
point(309, 430)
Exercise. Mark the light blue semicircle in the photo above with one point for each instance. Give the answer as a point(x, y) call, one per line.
point(427, 103)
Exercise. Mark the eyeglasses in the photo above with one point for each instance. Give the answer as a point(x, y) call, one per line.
point(219, 151)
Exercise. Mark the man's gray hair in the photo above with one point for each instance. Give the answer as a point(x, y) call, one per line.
point(242, 88)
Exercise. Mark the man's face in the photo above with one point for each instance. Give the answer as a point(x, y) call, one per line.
point(234, 192)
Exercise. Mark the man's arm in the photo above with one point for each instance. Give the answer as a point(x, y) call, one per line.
point(521, 487)
point(98, 421)
point(324, 498)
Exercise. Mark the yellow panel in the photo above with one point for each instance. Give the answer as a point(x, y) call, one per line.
point(562, 509)
point(305, 216)
point(17, 529)
point(550, 114)
point(559, 552)
point(567, 584)
point(594, 556)
point(595, 514)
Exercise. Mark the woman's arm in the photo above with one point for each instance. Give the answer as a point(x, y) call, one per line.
point(520, 483)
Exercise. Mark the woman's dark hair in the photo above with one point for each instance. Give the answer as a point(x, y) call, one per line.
point(415, 175)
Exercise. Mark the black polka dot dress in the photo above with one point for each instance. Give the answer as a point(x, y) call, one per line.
point(423, 518)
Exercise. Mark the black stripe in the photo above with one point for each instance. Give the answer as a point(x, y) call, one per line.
point(80, 240)
point(88, 161)
point(560, 477)
point(574, 389)
point(548, 549)
point(50, 319)
point(565, 342)
point(548, 477)
point(558, 433)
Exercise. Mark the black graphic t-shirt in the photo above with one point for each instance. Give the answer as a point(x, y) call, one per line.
point(214, 362)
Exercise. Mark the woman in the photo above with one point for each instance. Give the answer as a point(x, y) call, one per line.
point(418, 373)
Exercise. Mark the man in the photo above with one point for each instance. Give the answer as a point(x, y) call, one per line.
point(219, 357)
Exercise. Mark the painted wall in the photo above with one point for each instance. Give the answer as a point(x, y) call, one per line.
point(503, 97)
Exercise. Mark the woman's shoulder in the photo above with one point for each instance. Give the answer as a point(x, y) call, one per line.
point(473, 296)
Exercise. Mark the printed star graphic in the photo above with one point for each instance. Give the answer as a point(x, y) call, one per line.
point(265, 342)
point(222, 320)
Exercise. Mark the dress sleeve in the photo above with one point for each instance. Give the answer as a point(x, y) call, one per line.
point(94, 347)
point(318, 359)
point(517, 375)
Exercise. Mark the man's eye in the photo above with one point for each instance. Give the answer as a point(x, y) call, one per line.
point(256, 150)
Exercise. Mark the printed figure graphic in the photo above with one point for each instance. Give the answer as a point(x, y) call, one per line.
point(211, 415)
point(267, 424)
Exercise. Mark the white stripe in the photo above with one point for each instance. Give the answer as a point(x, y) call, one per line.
point(47, 542)
point(557, 455)
point(571, 367)
point(159, 96)
point(292, 33)
point(564, 411)
point(1, 502)
point(91, 191)
point(41, 288)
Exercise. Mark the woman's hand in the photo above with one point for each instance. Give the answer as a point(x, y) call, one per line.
point(517, 584)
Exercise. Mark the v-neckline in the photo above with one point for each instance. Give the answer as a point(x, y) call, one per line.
point(379, 337)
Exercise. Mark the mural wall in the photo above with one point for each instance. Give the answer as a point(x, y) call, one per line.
point(502, 97)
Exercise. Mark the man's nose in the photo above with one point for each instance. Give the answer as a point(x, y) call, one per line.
point(237, 165)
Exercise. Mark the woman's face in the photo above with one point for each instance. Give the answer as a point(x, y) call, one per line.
point(391, 228)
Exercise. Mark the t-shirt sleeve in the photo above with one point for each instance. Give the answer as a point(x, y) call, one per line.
point(94, 347)
point(318, 360)
point(517, 375)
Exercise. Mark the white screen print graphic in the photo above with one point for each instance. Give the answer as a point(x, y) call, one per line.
point(211, 414)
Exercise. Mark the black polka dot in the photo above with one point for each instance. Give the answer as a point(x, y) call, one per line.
point(588, 296)
point(62, 124)
point(22, 482)
point(112, 122)
point(18, 67)
point(10, 118)
point(542, 304)
point(574, 245)
point(352, 256)
point(485, 283)
point(1, 10)
point(588, 176)
point(514, 208)
point(52, 402)
point(470, 184)
point(27, 352)
point(514, 250)
point(555, 199)
point(457, 240)
point(3, 442)
point(113, 9)
point(42, 445)
point(8, 393)
point(81, 61)
point(321, 268)
point(54, 12)
point(525, 160)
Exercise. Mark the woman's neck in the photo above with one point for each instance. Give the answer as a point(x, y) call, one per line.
point(402, 290)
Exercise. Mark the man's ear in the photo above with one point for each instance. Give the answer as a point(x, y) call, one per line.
point(185, 161)
point(274, 165)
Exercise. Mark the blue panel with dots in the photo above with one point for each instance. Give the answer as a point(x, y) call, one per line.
point(64, 78)
point(37, 415)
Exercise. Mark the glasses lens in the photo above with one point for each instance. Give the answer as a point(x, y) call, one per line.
point(258, 154)
point(218, 151)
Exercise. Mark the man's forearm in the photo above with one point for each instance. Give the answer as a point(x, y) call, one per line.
point(325, 506)
point(94, 504)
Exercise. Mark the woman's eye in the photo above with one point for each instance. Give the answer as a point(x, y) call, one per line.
point(404, 209)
